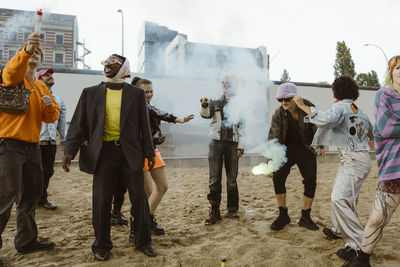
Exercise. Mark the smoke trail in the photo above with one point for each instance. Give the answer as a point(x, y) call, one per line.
point(274, 152)
point(249, 106)
point(16, 23)
point(209, 63)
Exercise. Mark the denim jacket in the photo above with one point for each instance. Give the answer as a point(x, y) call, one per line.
point(49, 130)
point(344, 125)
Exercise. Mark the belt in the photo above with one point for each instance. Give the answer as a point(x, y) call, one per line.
point(47, 142)
point(116, 142)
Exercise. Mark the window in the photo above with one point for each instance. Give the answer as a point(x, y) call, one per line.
point(59, 58)
point(1, 54)
point(11, 53)
point(1, 35)
point(26, 35)
point(13, 36)
point(59, 39)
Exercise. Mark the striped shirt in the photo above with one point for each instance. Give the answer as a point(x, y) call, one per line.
point(387, 133)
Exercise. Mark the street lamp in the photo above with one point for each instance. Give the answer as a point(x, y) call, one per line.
point(379, 49)
point(122, 19)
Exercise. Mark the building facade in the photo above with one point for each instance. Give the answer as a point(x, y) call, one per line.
point(60, 36)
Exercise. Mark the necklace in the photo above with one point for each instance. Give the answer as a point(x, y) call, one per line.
point(32, 84)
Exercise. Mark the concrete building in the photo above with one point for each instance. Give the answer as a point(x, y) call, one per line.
point(164, 51)
point(59, 41)
point(152, 41)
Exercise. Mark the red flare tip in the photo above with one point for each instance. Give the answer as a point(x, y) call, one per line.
point(39, 12)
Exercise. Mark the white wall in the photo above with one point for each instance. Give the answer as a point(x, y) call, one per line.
point(182, 97)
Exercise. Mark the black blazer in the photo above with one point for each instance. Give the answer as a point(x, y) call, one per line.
point(87, 127)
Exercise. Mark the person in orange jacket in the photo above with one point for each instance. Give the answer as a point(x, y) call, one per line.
point(21, 177)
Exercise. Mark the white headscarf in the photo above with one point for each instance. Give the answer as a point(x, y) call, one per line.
point(124, 72)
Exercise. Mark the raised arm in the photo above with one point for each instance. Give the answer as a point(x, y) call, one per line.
point(322, 119)
point(161, 115)
point(207, 108)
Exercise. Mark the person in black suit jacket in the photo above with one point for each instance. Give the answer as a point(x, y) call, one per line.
point(111, 128)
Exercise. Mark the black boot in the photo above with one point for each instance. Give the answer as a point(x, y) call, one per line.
point(362, 260)
point(306, 221)
point(282, 220)
point(155, 228)
point(214, 215)
point(117, 218)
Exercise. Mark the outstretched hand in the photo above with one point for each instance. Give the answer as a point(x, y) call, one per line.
point(186, 119)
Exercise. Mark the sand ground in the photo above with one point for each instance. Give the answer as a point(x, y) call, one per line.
point(188, 242)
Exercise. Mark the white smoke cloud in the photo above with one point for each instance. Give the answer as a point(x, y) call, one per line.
point(16, 23)
point(274, 152)
point(207, 64)
point(249, 106)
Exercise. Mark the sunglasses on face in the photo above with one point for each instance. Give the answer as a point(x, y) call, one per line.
point(285, 99)
point(227, 83)
point(110, 61)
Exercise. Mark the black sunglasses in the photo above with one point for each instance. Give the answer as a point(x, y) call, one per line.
point(285, 99)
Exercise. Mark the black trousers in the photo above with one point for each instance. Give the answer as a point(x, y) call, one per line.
point(112, 166)
point(48, 157)
point(307, 163)
point(223, 152)
point(21, 181)
point(119, 196)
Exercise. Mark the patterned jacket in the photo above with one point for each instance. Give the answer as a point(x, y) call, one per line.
point(387, 133)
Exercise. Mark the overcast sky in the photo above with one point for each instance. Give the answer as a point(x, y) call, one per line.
point(300, 36)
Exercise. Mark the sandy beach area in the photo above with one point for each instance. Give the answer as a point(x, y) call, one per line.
point(188, 242)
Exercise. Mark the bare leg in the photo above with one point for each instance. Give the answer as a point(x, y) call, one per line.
point(307, 202)
point(382, 210)
point(148, 183)
point(281, 200)
point(159, 176)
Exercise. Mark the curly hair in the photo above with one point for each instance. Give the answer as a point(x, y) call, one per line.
point(345, 87)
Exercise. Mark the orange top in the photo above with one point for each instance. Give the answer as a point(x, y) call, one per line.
point(26, 127)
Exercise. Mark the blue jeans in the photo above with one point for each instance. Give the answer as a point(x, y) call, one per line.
point(223, 152)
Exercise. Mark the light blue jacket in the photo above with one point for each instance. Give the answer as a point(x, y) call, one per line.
point(344, 125)
point(49, 130)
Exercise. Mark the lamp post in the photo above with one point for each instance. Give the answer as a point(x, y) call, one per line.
point(122, 19)
point(383, 52)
